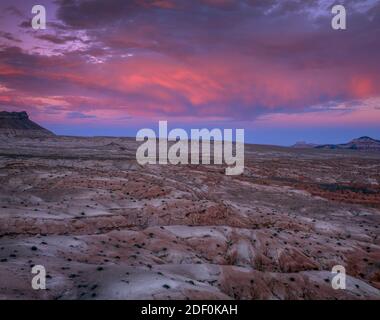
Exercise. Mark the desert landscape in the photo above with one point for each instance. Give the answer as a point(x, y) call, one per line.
point(105, 227)
point(297, 81)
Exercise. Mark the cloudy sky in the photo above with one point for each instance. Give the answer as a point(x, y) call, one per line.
point(273, 67)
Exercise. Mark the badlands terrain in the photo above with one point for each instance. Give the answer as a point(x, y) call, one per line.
point(105, 227)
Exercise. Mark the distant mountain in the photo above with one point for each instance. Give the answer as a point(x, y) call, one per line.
point(19, 124)
point(362, 143)
point(303, 144)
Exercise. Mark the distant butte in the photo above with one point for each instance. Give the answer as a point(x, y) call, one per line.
point(19, 124)
point(363, 143)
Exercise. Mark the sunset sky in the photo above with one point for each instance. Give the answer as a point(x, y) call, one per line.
point(273, 67)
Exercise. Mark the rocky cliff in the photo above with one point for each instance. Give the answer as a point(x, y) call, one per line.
point(19, 124)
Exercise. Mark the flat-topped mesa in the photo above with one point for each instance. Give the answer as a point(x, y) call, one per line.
point(19, 124)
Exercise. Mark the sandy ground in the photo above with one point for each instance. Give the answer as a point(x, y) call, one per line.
point(106, 228)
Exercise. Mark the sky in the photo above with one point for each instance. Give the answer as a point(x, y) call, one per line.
point(273, 67)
